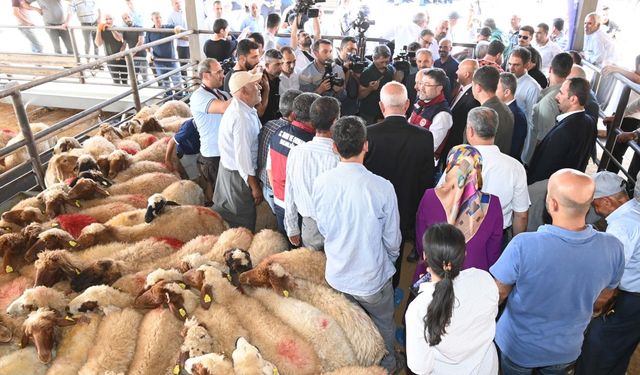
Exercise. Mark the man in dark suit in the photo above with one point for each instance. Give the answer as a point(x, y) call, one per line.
point(569, 143)
point(403, 154)
point(506, 93)
point(462, 103)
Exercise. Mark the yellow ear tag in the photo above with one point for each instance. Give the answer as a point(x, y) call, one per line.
point(176, 370)
point(68, 318)
point(285, 293)
point(8, 269)
point(182, 312)
point(55, 224)
point(229, 277)
point(77, 202)
point(207, 298)
point(73, 243)
point(275, 371)
point(77, 271)
point(183, 285)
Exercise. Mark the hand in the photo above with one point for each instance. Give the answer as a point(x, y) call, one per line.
point(65, 25)
point(264, 82)
point(626, 137)
point(177, 29)
point(295, 240)
point(102, 27)
point(325, 86)
point(257, 196)
point(374, 85)
point(608, 120)
point(169, 165)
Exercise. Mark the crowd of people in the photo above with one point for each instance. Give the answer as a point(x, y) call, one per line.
point(478, 159)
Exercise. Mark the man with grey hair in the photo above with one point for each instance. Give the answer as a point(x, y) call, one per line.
point(406, 32)
point(267, 130)
point(507, 86)
point(403, 154)
point(598, 46)
point(376, 75)
point(208, 103)
point(424, 60)
point(502, 175)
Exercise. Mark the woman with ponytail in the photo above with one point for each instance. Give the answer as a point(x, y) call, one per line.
point(451, 323)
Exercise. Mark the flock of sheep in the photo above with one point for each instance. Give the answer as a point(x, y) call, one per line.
point(118, 268)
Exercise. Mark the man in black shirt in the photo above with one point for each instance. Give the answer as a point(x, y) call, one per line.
point(379, 73)
point(273, 68)
point(248, 58)
point(112, 41)
point(135, 39)
point(351, 104)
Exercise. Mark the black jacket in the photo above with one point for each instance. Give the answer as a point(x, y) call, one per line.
point(459, 113)
point(403, 154)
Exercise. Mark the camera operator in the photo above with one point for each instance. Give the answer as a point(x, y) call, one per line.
point(248, 59)
point(379, 73)
point(301, 43)
point(349, 52)
point(323, 76)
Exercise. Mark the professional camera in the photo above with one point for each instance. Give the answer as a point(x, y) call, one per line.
point(358, 64)
point(362, 21)
point(228, 64)
point(333, 78)
point(403, 60)
point(306, 7)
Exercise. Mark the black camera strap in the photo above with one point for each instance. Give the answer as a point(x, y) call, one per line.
point(219, 94)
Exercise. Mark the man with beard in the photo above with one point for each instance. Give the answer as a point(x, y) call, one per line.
point(135, 39)
point(314, 77)
point(372, 79)
point(301, 43)
point(288, 78)
point(446, 62)
point(272, 70)
point(112, 41)
point(248, 58)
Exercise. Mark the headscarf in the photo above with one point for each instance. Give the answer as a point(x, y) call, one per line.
point(460, 195)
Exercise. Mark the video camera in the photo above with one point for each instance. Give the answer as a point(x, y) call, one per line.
point(306, 7)
point(228, 64)
point(403, 60)
point(333, 78)
point(358, 64)
point(362, 21)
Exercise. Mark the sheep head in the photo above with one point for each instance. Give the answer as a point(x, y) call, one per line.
point(54, 203)
point(151, 125)
point(280, 280)
point(247, 359)
point(31, 233)
point(102, 272)
point(103, 164)
point(86, 163)
point(118, 162)
point(101, 297)
point(238, 261)
point(65, 144)
point(37, 297)
point(53, 266)
point(163, 275)
point(50, 239)
point(24, 217)
point(197, 341)
point(209, 364)
point(257, 277)
point(163, 293)
point(110, 133)
point(40, 328)
point(12, 246)
point(155, 206)
point(63, 166)
point(95, 234)
point(88, 188)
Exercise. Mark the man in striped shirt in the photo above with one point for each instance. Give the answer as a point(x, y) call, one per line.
point(89, 15)
point(305, 163)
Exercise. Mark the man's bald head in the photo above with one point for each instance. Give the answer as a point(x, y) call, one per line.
point(393, 99)
point(465, 71)
point(569, 195)
point(577, 72)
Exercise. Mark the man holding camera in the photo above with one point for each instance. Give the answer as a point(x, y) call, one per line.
point(372, 79)
point(323, 76)
point(352, 67)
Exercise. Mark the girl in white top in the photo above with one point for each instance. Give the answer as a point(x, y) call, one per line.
point(451, 323)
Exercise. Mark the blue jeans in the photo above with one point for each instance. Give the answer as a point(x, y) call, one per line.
point(36, 47)
point(267, 193)
point(510, 368)
point(163, 67)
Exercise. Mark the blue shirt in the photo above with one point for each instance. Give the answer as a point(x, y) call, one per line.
point(187, 139)
point(164, 50)
point(556, 275)
point(357, 213)
point(208, 124)
point(624, 224)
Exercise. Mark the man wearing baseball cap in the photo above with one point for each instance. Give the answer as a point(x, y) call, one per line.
point(612, 337)
point(238, 190)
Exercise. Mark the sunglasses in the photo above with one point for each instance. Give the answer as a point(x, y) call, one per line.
point(525, 37)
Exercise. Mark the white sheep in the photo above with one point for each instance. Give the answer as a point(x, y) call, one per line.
point(265, 243)
point(247, 360)
point(21, 362)
point(37, 297)
point(320, 329)
point(197, 341)
point(98, 146)
point(21, 155)
point(156, 152)
point(61, 167)
point(122, 166)
point(185, 192)
point(146, 184)
point(210, 364)
point(173, 108)
point(100, 297)
point(66, 144)
point(73, 348)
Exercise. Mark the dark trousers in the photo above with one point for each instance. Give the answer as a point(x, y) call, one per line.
point(629, 124)
point(183, 53)
point(118, 71)
point(279, 211)
point(209, 167)
point(55, 35)
point(611, 340)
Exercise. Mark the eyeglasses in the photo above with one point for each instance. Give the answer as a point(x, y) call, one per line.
point(426, 85)
point(525, 37)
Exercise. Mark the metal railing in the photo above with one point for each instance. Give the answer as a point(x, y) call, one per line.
point(613, 130)
point(20, 176)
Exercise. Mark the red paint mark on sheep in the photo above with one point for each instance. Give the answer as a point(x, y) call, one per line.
point(11, 290)
point(207, 211)
point(176, 244)
point(128, 150)
point(324, 323)
point(288, 349)
point(151, 140)
point(74, 223)
point(137, 200)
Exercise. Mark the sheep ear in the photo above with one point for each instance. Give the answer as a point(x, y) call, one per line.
point(5, 334)
point(32, 253)
point(171, 203)
point(24, 341)
point(178, 310)
point(280, 284)
point(65, 322)
point(150, 299)
point(206, 296)
point(194, 278)
point(182, 359)
point(74, 181)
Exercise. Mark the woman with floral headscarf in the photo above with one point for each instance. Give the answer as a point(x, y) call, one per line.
point(459, 201)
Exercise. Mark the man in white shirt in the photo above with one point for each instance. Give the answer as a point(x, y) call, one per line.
point(502, 175)
point(288, 78)
point(177, 19)
point(89, 15)
point(215, 14)
point(598, 46)
point(304, 164)
point(408, 32)
point(238, 190)
point(547, 48)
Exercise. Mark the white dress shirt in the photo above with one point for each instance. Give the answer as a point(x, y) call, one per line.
point(547, 52)
point(289, 83)
point(440, 126)
point(461, 93)
point(238, 139)
point(598, 48)
point(304, 164)
point(467, 346)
